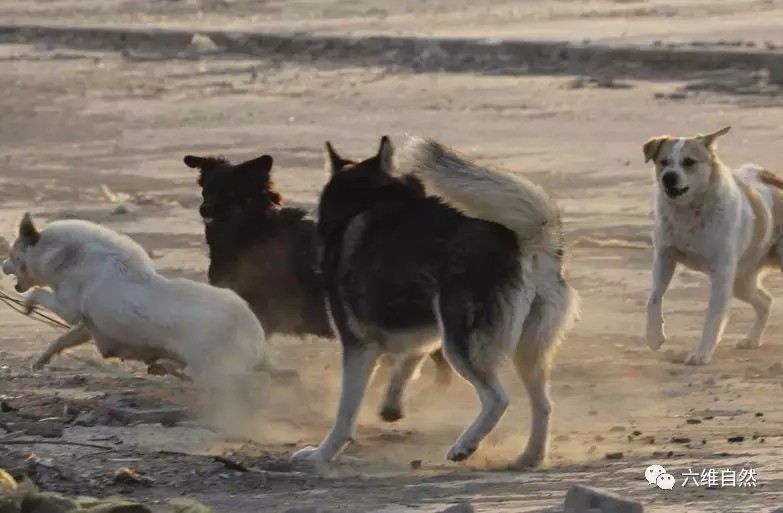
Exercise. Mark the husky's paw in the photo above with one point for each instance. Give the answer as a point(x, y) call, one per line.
point(529, 459)
point(461, 451)
point(308, 453)
point(40, 364)
point(697, 359)
point(391, 413)
point(748, 343)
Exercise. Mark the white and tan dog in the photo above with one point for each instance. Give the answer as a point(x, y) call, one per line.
point(106, 287)
point(724, 223)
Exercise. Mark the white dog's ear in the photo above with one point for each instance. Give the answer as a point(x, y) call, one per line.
point(386, 155)
point(27, 230)
point(709, 139)
point(653, 146)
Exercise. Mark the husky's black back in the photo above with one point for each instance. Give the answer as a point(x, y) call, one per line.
point(391, 250)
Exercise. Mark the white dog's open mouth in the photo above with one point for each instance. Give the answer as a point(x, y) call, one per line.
point(675, 192)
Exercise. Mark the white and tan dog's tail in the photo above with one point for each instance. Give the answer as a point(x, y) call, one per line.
point(494, 195)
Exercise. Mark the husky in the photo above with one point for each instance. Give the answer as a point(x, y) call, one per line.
point(477, 269)
point(725, 223)
point(266, 252)
point(105, 286)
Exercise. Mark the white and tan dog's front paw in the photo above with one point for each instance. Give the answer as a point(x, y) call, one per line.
point(308, 453)
point(748, 343)
point(655, 339)
point(697, 359)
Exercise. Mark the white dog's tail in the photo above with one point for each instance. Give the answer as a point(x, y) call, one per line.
point(510, 200)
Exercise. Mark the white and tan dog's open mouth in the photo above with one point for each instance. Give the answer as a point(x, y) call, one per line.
point(675, 192)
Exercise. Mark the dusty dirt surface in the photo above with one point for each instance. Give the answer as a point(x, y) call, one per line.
point(76, 120)
point(754, 23)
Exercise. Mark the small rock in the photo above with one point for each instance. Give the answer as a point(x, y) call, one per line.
point(680, 440)
point(616, 429)
point(119, 210)
point(613, 455)
point(562, 438)
point(126, 475)
point(582, 498)
point(202, 43)
point(692, 421)
point(416, 464)
point(599, 438)
point(592, 449)
point(463, 507)
point(759, 414)
point(736, 439)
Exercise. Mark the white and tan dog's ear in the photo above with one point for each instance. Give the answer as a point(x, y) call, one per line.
point(27, 230)
point(709, 139)
point(653, 146)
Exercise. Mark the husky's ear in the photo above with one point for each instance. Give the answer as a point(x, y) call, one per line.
point(709, 139)
point(332, 161)
point(653, 146)
point(262, 164)
point(386, 155)
point(27, 230)
point(194, 162)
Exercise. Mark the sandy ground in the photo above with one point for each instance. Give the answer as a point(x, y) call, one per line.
point(74, 120)
point(751, 22)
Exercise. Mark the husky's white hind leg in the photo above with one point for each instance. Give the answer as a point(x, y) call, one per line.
point(551, 314)
point(476, 356)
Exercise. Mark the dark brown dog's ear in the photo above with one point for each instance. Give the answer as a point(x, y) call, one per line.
point(193, 162)
point(709, 139)
point(262, 164)
point(653, 146)
point(386, 155)
point(27, 230)
point(332, 161)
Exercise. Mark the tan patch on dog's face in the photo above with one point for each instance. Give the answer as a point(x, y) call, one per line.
point(683, 165)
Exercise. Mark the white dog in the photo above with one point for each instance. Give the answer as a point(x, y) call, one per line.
point(105, 286)
point(724, 223)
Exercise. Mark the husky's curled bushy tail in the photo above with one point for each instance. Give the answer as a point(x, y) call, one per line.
point(526, 209)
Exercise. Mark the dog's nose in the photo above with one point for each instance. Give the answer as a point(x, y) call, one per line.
point(669, 180)
point(205, 210)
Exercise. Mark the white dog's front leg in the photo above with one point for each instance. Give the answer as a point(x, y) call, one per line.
point(43, 297)
point(663, 270)
point(721, 292)
point(77, 335)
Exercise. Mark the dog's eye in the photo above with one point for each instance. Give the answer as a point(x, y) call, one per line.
point(665, 162)
point(688, 162)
